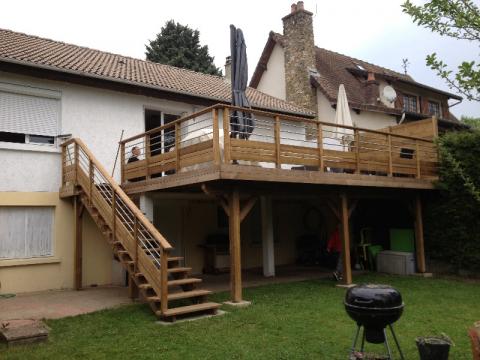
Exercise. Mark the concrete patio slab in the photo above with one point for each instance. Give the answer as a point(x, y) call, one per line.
point(62, 303)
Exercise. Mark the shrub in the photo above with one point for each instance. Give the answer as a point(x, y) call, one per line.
point(452, 216)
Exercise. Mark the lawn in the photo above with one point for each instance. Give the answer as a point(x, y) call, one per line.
point(303, 320)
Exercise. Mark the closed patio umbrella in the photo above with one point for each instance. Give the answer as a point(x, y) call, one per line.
point(342, 117)
point(241, 122)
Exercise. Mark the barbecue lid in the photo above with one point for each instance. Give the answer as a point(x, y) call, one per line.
point(373, 296)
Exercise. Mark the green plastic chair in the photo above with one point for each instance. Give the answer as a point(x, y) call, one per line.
point(372, 255)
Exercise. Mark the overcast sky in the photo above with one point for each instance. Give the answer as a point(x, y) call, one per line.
point(372, 30)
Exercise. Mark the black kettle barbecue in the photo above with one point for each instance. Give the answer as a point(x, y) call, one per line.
point(374, 307)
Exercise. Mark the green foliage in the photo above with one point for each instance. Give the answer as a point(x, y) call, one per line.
point(452, 219)
point(474, 123)
point(459, 19)
point(179, 46)
point(303, 320)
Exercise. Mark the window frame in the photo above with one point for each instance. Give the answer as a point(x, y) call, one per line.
point(408, 95)
point(437, 103)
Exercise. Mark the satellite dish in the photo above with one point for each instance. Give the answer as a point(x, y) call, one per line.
point(389, 93)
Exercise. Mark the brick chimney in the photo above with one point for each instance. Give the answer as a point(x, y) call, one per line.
point(228, 68)
point(372, 90)
point(299, 56)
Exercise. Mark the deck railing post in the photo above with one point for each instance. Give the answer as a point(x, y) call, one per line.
point(114, 215)
point(320, 146)
point(417, 157)
point(163, 281)
point(177, 147)
point(357, 150)
point(135, 237)
point(91, 180)
point(226, 135)
point(276, 127)
point(122, 162)
point(216, 138)
point(390, 160)
point(77, 163)
point(147, 156)
point(64, 161)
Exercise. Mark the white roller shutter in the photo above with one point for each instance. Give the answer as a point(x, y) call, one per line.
point(29, 114)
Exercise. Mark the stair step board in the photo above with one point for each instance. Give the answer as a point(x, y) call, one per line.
point(182, 310)
point(144, 286)
point(175, 258)
point(188, 294)
point(179, 270)
point(187, 281)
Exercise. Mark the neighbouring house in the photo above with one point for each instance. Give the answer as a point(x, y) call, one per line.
point(292, 68)
point(116, 170)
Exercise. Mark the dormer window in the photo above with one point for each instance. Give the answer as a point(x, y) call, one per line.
point(434, 108)
point(410, 103)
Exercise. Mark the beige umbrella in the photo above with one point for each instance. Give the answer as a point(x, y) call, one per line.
point(342, 117)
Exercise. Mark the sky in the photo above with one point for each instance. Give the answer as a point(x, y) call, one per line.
point(372, 30)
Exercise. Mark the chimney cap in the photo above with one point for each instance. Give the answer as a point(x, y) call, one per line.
point(297, 8)
point(371, 76)
point(300, 5)
point(293, 8)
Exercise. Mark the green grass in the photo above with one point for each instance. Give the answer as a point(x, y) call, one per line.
point(303, 320)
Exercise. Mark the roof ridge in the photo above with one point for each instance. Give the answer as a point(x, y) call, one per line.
point(106, 52)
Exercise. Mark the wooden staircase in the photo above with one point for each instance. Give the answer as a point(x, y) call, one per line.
point(161, 279)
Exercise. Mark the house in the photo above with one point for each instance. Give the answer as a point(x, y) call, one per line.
point(293, 68)
point(118, 168)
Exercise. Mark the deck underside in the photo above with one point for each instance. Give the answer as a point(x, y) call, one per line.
point(208, 173)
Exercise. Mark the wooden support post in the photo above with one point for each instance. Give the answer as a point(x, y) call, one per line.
point(78, 213)
point(276, 128)
point(114, 216)
point(122, 162)
point(417, 157)
point(419, 242)
point(347, 269)
point(226, 135)
point(91, 181)
point(216, 138)
point(235, 249)
point(163, 281)
point(177, 147)
point(64, 163)
point(137, 244)
point(77, 162)
point(132, 288)
point(320, 147)
point(390, 160)
point(357, 150)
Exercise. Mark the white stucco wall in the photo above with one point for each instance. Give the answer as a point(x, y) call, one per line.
point(96, 116)
point(272, 81)
point(366, 119)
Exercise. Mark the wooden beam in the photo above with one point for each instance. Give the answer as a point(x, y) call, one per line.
point(347, 270)
point(132, 288)
point(419, 241)
point(250, 203)
point(235, 249)
point(78, 214)
point(352, 208)
point(334, 209)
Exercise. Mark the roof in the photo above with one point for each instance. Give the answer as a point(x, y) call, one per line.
point(335, 69)
point(37, 52)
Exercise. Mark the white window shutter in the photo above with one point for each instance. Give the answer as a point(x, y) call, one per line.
point(29, 114)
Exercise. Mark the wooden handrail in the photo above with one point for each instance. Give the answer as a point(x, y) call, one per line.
point(120, 193)
point(267, 114)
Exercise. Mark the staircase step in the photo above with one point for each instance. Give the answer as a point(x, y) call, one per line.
point(182, 310)
point(175, 258)
point(184, 281)
point(188, 294)
point(179, 270)
point(144, 286)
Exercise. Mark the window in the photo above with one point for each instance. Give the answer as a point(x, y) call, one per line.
point(28, 116)
point(410, 103)
point(26, 232)
point(434, 108)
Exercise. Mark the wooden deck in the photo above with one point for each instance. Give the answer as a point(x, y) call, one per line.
point(280, 148)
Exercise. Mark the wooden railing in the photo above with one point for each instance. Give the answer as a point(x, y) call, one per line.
point(145, 245)
point(276, 141)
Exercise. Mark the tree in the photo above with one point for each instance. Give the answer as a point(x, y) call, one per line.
point(178, 45)
point(458, 19)
point(473, 122)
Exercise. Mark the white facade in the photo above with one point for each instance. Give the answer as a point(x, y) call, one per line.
point(273, 78)
point(94, 115)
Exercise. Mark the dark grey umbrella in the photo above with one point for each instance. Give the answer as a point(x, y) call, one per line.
point(241, 122)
